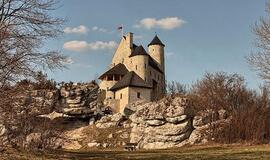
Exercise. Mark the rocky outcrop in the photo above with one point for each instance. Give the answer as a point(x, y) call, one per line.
point(40, 101)
point(163, 124)
point(72, 99)
point(115, 120)
point(202, 123)
point(79, 99)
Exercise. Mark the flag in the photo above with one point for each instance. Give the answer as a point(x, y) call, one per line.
point(120, 27)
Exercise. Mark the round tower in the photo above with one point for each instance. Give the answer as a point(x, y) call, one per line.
point(156, 51)
point(139, 58)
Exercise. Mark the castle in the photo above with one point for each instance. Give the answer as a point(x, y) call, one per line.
point(134, 74)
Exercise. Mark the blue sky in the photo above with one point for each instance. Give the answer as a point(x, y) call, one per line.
point(200, 36)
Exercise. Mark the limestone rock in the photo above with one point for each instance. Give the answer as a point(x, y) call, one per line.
point(3, 130)
point(71, 145)
point(155, 122)
point(105, 145)
point(54, 115)
point(79, 100)
point(163, 124)
point(40, 101)
point(124, 135)
point(207, 116)
point(110, 135)
point(198, 136)
point(109, 121)
point(92, 144)
point(177, 119)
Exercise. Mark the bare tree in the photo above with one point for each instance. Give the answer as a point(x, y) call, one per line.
point(24, 27)
point(171, 88)
point(218, 91)
point(260, 60)
point(175, 87)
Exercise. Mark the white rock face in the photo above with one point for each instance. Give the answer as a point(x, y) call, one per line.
point(110, 135)
point(93, 144)
point(79, 99)
point(198, 135)
point(72, 145)
point(201, 123)
point(54, 115)
point(109, 121)
point(2, 130)
point(163, 124)
point(177, 119)
point(40, 101)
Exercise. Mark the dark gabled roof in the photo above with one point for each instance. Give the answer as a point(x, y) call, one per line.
point(134, 46)
point(139, 50)
point(131, 79)
point(154, 64)
point(119, 69)
point(156, 41)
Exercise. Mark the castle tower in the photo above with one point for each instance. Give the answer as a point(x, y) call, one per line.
point(129, 40)
point(156, 51)
point(134, 75)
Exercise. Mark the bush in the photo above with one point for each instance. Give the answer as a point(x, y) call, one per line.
point(249, 111)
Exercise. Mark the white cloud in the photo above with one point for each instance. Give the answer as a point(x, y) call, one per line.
point(96, 28)
point(76, 30)
point(138, 37)
point(169, 54)
point(79, 46)
point(167, 23)
point(68, 61)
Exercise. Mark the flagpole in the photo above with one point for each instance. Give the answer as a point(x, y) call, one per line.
point(122, 30)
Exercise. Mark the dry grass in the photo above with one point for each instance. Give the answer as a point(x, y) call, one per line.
point(213, 152)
